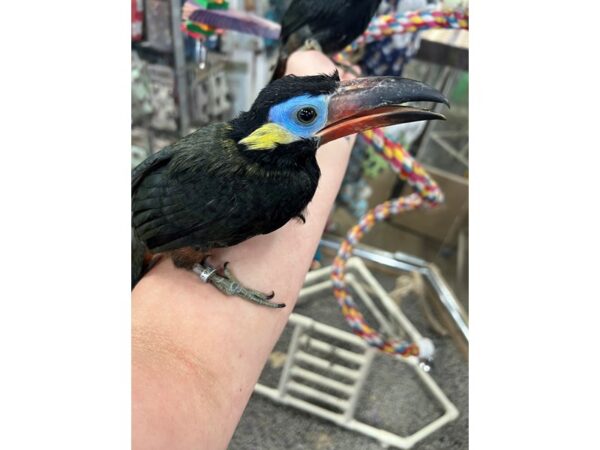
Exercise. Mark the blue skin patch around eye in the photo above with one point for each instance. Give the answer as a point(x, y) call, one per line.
point(285, 114)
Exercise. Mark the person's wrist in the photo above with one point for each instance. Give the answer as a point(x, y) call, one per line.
point(309, 62)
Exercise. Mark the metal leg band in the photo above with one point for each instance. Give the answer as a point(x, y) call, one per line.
point(204, 272)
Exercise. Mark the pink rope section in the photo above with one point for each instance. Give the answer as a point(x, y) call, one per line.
point(427, 194)
point(387, 25)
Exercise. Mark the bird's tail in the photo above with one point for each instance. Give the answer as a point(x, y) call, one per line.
point(138, 259)
point(280, 67)
point(282, 58)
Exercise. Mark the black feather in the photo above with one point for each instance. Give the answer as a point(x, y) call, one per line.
point(207, 191)
point(334, 24)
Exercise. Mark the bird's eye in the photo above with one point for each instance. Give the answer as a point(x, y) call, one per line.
point(306, 115)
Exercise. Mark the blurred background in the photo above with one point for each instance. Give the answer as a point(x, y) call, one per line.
point(420, 258)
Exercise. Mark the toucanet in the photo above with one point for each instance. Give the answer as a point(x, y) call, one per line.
point(227, 182)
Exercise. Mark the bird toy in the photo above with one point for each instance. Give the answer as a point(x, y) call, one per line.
point(204, 18)
point(387, 25)
point(427, 195)
point(198, 30)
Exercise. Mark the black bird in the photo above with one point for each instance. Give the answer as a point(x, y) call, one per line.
point(230, 181)
point(327, 25)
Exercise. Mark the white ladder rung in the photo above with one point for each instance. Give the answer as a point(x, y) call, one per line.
point(323, 381)
point(332, 349)
point(324, 364)
point(318, 395)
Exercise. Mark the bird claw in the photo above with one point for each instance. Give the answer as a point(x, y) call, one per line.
point(229, 285)
point(260, 298)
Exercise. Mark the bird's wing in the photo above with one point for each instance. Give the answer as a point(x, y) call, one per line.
point(148, 165)
point(168, 214)
point(175, 206)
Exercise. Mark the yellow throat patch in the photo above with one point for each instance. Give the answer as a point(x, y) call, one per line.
point(267, 137)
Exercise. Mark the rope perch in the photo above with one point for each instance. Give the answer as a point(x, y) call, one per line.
point(427, 195)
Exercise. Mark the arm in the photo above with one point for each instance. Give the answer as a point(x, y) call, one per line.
point(196, 354)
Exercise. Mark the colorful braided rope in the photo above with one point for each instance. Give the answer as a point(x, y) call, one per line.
point(427, 194)
point(387, 25)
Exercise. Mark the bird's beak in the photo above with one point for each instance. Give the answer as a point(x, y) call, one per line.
point(372, 102)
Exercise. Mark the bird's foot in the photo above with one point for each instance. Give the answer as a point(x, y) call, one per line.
point(312, 44)
point(229, 285)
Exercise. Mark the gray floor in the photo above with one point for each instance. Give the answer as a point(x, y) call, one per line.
point(393, 398)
